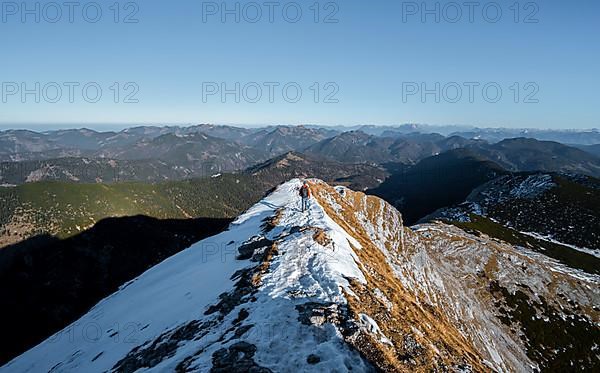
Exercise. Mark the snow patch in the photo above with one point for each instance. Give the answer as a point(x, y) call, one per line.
point(371, 326)
point(533, 186)
point(548, 238)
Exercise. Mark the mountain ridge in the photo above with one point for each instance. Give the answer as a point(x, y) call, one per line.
point(345, 286)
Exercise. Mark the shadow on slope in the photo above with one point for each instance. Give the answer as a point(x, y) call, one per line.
point(46, 283)
point(435, 182)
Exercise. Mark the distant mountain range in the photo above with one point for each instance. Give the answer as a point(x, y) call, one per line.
point(26, 144)
point(592, 149)
point(418, 173)
point(519, 154)
point(154, 154)
point(523, 154)
point(357, 146)
point(566, 136)
point(74, 201)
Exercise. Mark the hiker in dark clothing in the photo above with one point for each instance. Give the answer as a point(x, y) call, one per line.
point(305, 195)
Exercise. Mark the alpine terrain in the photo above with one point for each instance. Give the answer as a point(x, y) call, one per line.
point(342, 287)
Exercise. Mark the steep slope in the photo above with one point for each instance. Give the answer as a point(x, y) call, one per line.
point(518, 309)
point(436, 182)
point(556, 215)
point(522, 310)
point(179, 301)
point(343, 287)
point(47, 283)
point(526, 154)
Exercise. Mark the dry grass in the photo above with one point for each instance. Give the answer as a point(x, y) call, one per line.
point(272, 221)
point(439, 345)
point(17, 229)
point(491, 267)
point(263, 267)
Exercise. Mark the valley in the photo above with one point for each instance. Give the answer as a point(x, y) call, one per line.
point(76, 215)
point(337, 186)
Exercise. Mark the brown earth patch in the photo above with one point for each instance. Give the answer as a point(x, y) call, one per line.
point(272, 221)
point(264, 266)
point(321, 237)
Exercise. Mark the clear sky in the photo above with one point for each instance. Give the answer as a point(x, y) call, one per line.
point(371, 61)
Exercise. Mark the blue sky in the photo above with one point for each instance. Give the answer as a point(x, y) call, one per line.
point(367, 64)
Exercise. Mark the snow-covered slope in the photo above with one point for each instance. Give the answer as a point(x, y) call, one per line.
point(176, 297)
point(342, 287)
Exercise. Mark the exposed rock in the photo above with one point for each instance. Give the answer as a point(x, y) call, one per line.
point(237, 358)
point(253, 248)
point(163, 347)
point(313, 359)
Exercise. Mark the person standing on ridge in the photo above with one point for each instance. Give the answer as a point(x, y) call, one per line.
point(305, 195)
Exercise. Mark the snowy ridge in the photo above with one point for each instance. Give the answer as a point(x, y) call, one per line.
point(342, 287)
point(180, 289)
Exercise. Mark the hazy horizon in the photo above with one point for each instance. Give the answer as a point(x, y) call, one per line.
point(107, 127)
point(525, 66)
